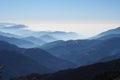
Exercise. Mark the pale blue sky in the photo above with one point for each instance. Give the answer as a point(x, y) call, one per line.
point(86, 13)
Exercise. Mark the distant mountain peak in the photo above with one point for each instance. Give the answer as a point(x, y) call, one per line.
point(118, 27)
point(108, 34)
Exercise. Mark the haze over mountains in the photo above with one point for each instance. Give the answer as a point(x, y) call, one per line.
point(23, 52)
point(22, 31)
point(37, 38)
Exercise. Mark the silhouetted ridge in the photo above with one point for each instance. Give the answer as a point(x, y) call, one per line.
point(90, 72)
point(108, 34)
point(17, 64)
point(48, 60)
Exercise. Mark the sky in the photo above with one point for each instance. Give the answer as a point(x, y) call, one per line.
point(86, 17)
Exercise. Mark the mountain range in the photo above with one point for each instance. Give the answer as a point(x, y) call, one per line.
point(20, 30)
point(18, 42)
point(17, 64)
point(20, 61)
point(58, 55)
point(84, 52)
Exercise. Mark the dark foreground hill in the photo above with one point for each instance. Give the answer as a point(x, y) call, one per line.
point(100, 71)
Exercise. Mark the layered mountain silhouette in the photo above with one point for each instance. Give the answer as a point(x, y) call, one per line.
point(20, 61)
point(48, 60)
point(99, 71)
point(89, 72)
point(84, 52)
point(24, 52)
point(35, 40)
point(48, 38)
point(9, 35)
point(20, 30)
point(19, 42)
point(87, 50)
point(7, 46)
point(16, 64)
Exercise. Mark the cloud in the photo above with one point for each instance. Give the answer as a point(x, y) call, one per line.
point(16, 27)
point(11, 26)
